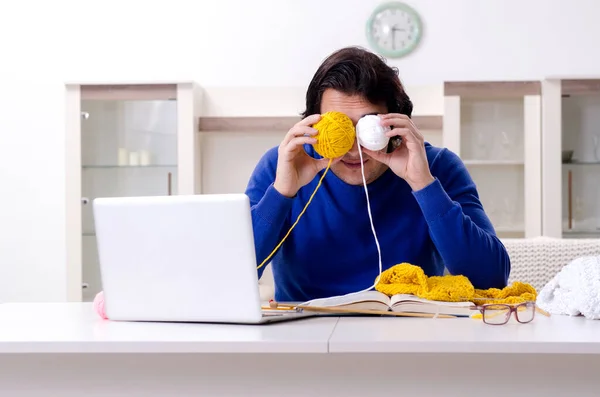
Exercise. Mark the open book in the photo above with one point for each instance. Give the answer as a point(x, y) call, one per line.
point(375, 300)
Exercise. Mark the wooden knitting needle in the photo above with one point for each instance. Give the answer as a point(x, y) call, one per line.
point(537, 308)
point(324, 309)
point(542, 311)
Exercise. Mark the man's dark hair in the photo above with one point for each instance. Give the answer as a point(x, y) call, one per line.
point(355, 71)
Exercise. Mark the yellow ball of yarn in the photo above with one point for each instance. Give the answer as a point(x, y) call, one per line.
point(336, 135)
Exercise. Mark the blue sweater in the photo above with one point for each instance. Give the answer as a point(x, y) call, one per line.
point(332, 251)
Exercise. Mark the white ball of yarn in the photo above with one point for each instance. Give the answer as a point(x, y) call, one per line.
point(371, 134)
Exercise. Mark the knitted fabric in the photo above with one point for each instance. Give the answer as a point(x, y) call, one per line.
point(537, 260)
point(575, 290)
point(410, 279)
point(335, 135)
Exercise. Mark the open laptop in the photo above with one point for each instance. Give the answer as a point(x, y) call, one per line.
point(185, 258)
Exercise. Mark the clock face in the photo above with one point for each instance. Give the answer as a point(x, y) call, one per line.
point(394, 29)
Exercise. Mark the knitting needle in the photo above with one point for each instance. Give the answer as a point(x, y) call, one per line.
point(378, 312)
point(276, 306)
point(542, 311)
point(324, 309)
point(537, 308)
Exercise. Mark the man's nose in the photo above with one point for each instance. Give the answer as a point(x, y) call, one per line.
point(354, 149)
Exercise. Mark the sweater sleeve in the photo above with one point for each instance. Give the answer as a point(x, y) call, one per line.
point(459, 227)
point(269, 208)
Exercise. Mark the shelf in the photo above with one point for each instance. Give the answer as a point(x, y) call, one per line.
point(509, 229)
point(581, 233)
point(582, 163)
point(493, 162)
point(492, 89)
point(504, 232)
point(129, 166)
point(283, 123)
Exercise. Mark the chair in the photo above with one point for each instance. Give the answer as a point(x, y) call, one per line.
point(537, 260)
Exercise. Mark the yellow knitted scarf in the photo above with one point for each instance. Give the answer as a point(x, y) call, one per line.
point(410, 279)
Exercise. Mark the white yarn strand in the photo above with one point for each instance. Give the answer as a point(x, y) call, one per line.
point(362, 169)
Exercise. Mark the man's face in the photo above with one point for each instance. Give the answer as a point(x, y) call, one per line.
point(348, 169)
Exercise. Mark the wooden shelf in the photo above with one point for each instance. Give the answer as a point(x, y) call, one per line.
point(284, 123)
point(509, 230)
point(576, 163)
point(109, 166)
point(573, 233)
point(128, 92)
point(492, 89)
point(580, 86)
point(493, 162)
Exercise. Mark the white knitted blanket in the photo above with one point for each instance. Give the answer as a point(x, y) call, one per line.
point(575, 290)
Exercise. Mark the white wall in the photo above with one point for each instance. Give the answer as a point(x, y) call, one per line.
point(224, 43)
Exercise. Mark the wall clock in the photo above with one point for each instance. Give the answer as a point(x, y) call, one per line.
point(394, 29)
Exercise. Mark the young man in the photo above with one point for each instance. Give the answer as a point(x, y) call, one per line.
point(425, 206)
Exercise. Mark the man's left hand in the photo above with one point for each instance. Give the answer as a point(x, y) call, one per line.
point(409, 160)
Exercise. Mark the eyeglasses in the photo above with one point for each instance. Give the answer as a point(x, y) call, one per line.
point(499, 314)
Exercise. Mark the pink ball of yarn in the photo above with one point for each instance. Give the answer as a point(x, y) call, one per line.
point(99, 305)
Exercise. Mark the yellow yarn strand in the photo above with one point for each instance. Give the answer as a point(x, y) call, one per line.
point(335, 138)
point(298, 218)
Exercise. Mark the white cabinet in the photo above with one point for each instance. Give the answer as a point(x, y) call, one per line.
point(571, 157)
point(495, 127)
point(123, 140)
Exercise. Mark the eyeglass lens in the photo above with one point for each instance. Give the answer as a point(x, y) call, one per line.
point(500, 314)
point(525, 312)
point(496, 314)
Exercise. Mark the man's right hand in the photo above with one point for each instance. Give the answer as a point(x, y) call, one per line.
point(295, 168)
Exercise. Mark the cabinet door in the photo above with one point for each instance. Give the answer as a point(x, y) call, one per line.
point(128, 148)
point(495, 129)
point(572, 158)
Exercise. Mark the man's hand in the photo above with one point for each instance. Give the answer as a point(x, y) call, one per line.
point(295, 168)
point(409, 160)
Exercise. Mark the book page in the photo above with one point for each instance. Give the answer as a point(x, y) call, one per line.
point(411, 303)
point(400, 298)
point(373, 296)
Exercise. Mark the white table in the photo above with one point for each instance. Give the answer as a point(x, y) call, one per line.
point(556, 356)
point(65, 350)
point(75, 328)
